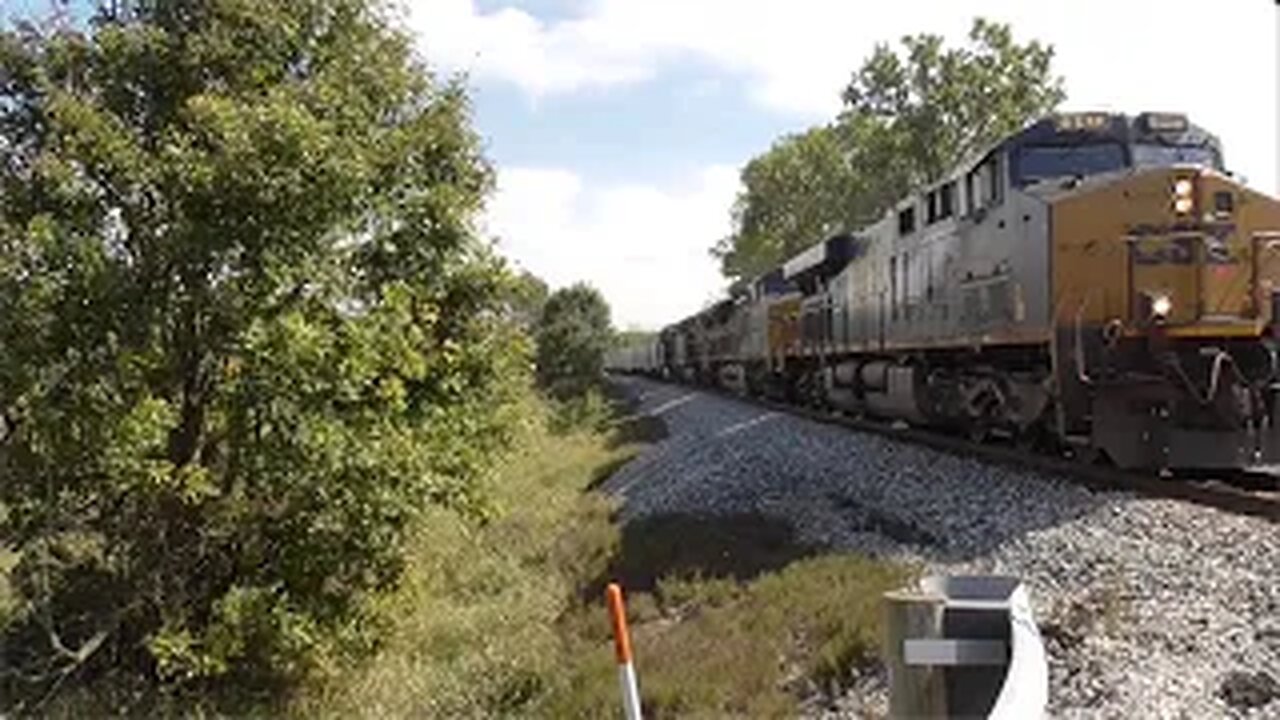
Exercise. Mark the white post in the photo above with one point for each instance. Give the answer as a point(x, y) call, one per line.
point(630, 692)
point(622, 649)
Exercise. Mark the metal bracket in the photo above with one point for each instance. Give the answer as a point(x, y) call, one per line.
point(955, 652)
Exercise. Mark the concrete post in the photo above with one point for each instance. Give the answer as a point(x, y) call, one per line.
point(915, 691)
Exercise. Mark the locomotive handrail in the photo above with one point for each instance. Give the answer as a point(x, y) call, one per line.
point(1078, 351)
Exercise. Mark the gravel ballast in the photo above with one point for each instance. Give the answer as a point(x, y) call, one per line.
point(1148, 608)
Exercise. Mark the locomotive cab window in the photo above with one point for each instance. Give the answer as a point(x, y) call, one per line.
point(984, 185)
point(1042, 162)
point(941, 203)
point(907, 220)
point(946, 201)
point(995, 180)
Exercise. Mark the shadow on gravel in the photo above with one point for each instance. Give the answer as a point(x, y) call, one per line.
point(606, 471)
point(861, 518)
point(638, 429)
point(739, 546)
point(635, 426)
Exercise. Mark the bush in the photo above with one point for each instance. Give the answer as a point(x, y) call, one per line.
point(573, 335)
point(248, 335)
point(588, 410)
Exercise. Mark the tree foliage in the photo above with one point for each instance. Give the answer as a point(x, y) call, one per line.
point(246, 332)
point(800, 190)
point(910, 115)
point(573, 335)
point(525, 297)
point(944, 104)
point(631, 338)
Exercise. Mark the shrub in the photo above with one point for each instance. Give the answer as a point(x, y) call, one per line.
point(573, 335)
point(248, 334)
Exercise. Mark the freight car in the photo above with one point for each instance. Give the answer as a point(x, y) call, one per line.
point(1095, 284)
point(638, 357)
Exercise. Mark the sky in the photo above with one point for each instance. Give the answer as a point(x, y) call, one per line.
point(617, 127)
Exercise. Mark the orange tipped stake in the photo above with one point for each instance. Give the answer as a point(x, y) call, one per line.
point(622, 650)
point(618, 614)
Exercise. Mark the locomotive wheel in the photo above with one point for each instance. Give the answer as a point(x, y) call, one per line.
point(978, 431)
point(1035, 439)
point(1090, 455)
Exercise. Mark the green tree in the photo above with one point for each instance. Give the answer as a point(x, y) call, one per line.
point(940, 105)
point(246, 332)
point(525, 297)
point(799, 191)
point(573, 335)
point(628, 338)
point(909, 117)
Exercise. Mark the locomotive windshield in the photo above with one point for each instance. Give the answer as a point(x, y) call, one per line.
point(1070, 145)
point(1154, 155)
point(1050, 161)
point(1042, 162)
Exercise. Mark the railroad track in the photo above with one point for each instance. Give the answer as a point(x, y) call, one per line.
point(1255, 494)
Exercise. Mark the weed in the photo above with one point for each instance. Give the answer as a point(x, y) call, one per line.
point(723, 647)
point(7, 602)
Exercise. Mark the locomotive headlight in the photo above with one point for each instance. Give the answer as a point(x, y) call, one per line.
point(1161, 306)
point(1182, 201)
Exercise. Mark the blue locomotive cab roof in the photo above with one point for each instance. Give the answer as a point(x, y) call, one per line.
point(822, 260)
point(773, 283)
point(1082, 144)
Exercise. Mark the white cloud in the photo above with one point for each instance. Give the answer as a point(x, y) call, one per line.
point(794, 57)
point(644, 247)
point(512, 45)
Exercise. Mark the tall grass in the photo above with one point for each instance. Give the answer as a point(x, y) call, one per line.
point(476, 622)
point(7, 601)
point(721, 648)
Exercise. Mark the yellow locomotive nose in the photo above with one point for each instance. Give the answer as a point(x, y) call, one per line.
point(1188, 249)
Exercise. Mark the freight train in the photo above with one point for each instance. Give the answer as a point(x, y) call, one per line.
point(1096, 284)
